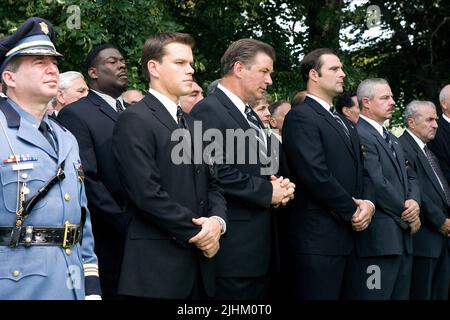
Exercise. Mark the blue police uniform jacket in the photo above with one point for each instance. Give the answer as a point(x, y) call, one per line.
point(43, 272)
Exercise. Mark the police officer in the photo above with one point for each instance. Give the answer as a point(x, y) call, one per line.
point(46, 243)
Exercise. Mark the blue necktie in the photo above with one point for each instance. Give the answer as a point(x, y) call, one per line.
point(388, 140)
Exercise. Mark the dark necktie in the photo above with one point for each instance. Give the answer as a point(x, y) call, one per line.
point(180, 119)
point(434, 163)
point(340, 121)
point(388, 140)
point(254, 124)
point(119, 106)
point(45, 130)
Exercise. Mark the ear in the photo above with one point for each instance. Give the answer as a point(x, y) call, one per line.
point(92, 73)
point(238, 69)
point(313, 75)
point(365, 101)
point(410, 123)
point(60, 97)
point(8, 78)
point(346, 111)
point(153, 68)
point(444, 106)
point(273, 122)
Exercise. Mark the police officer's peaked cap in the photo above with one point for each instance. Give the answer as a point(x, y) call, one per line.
point(33, 38)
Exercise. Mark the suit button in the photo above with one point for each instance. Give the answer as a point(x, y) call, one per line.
point(68, 251)
point(202, 202)
point(198, 170)
point(67, 197)
point(16, 273)
point(24, 176)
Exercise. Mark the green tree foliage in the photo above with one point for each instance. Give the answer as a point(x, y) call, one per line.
point(126, 24)
point(411, 53)
point(411, 50)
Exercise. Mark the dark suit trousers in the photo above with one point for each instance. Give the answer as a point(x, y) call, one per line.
point(379, 278)
point(317, 277)
point(431, 277)
point(242, 288)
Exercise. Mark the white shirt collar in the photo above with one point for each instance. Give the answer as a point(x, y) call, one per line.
point(418, 141)
point(446, 118)
point(322, 102)
point(374, 124)
point(170, 106)
point(110, 100)
point(239, 104)
point(234, 98)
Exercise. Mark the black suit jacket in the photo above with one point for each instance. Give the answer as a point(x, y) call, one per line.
point(428, 241)
point(394, 183)
point(440, 146)
point(327, 169)
point(245, 250)
point(162, 199)
point(91, 120)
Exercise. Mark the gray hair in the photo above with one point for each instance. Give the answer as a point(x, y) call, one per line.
point(413, 107)
point(66, 79)
point(367, 88)
point(444, 94)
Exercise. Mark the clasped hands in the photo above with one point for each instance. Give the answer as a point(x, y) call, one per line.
point(283, 190)
point(208, 237)
point(363, 215)
point(411, 215)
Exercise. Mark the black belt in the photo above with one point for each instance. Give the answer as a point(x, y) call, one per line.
point(65, 237)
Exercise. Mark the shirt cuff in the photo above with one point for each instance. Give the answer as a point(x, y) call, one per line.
point(223, 225)
point(373, 206)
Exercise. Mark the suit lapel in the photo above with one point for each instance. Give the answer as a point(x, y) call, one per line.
point(382, 142)
point(103, 106)
point(232, 109)
point(425, 164)
point(63, 148)
point(401, 162)
point(332, 121)
point(33, 136)
point(160, 112)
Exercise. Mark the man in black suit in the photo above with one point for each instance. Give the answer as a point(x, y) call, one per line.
point(381, 268)
point(91, 120)
point(243, 261)
point(431, 262)
point(177, 211)
point(324, 161)
point(440, 145)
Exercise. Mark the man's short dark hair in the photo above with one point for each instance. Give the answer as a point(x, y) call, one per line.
point(91, 59)
point(345, 100)
point(154, 47)
point(313, 61)
point(244, 51)
point(274, 106)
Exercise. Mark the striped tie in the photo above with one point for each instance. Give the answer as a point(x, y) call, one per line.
point(388, 140)
point(180, 119)
point(119, 107)
point(434, 163)
point(339, 120)
point(254, 124)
